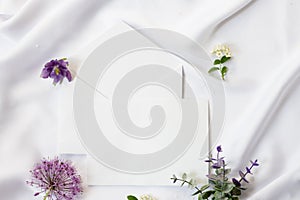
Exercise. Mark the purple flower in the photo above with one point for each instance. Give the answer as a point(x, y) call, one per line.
point(219, 148)
point(57, 70)
point(56, 179)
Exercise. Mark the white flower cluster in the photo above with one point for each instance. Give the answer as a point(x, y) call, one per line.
point(147, 197)
point(221, 50)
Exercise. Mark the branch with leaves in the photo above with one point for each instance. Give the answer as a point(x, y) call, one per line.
point(219, 186)
point(223, 54)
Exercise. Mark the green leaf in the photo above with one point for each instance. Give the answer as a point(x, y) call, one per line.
point(204, 187)
point(197, 192)
point(224, 59)
point(207, 194)
point(218, 195)
point(227, 171)
point(174, 178)
point(236, 191)
point(217, 62)
point(224, 70)
point(219, 171)
point(218, 188)
point(190, 185)
point(213, 69)
point(200, 197)
point(184, 176)
point(228, 187)
point(130, 197)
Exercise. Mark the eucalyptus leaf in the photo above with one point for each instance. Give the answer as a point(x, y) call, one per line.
point(218, 195)
point(197, 192)
point(227, 171)
point(207, 194)
point(236, 191)
point(204, 187)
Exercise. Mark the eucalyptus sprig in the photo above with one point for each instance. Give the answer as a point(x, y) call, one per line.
point(219, 186)
point(223, 54)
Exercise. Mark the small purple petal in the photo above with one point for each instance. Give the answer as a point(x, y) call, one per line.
point(219, 149)
point(45, 73)
point(69, 76)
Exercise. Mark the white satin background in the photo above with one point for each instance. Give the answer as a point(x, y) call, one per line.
point(262, 90)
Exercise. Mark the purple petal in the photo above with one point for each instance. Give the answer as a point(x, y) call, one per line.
point(69, 76)
point(45, 73)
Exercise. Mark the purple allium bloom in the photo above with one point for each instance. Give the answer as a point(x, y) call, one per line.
point(57, 179)
point(57, 70)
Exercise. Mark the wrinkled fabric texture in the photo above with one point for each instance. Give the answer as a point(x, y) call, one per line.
point(262, 87)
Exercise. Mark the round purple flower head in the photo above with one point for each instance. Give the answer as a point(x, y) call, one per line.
point(57, 70)
point(56, 179)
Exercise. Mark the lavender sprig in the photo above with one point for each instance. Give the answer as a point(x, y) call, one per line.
point(57, 179)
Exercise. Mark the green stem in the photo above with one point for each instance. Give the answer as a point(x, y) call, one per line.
point(47, 193)
point(182, 180)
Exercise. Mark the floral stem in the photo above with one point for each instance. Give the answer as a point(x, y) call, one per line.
point(47, 193)
point(185, 181)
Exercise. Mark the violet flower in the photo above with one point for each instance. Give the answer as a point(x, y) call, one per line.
point(56, 179)
point(57, 70)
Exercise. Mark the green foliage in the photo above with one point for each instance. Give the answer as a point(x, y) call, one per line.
point(219, 186)
point(130, 197)
point(219, 66)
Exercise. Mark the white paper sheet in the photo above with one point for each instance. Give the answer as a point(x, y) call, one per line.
point(158, 68)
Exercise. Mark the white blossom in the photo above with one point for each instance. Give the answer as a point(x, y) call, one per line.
point(147, 197)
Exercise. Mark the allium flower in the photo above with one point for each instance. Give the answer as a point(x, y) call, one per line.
point(57, 70)
point(56, 179)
